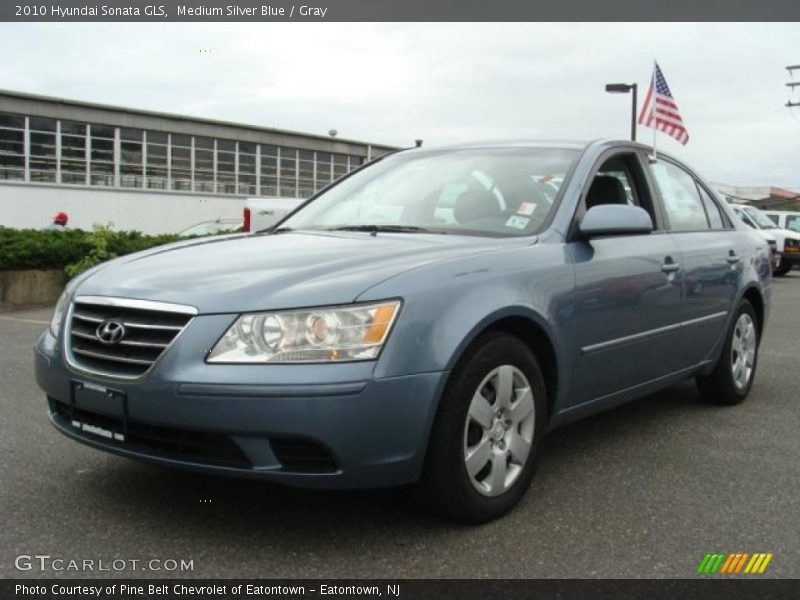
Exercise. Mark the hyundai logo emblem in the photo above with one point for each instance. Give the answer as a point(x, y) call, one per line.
point(110, 332)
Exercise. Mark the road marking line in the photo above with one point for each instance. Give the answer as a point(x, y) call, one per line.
point(24, 320)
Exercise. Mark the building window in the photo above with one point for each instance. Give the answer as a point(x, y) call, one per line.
point(73, 152)
point(101, 166)
point(269, 170)
point(42, 163)
point(355, 162)
point(131, 172)
point(305, 177)
point(180, 172)
point(203, 164)
point(288, 173)
point(156, 168)
point(247, 169)
point(226, 167)
point(339, 165)
point(323, 176)
point(12, 147)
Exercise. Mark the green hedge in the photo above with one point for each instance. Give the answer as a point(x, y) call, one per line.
point(71, 250)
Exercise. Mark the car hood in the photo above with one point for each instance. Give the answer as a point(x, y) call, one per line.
point(786, 233)
point(257, 272)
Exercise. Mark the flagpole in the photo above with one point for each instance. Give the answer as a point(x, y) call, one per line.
point(655, 129)
point(655, 150)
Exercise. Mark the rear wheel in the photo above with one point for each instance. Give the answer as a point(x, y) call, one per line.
point(483, 447)
point(732, 377)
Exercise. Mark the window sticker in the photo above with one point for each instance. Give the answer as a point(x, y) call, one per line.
point(517, 222)
point(526, 208)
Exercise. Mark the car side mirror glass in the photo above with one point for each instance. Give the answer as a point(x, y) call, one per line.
point(615, 219)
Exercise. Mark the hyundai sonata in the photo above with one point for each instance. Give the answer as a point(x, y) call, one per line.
point(425, 320)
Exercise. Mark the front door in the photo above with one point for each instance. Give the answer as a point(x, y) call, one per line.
point(628, 294)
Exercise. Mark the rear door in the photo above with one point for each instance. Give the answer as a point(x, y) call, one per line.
point(628, 294)
point(711, 259)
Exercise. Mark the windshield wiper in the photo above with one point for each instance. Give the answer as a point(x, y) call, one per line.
point(373, 229)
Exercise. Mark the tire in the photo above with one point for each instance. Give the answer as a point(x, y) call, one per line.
point(783, 268)
point(732, 377)
point(480, 462)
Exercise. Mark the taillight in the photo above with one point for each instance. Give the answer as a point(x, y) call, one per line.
point(246, 219)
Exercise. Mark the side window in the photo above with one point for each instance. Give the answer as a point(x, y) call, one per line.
point(774, 218)
point(714, 214)
point(793, 222)
point(747, 220)
point(682, 202)
point(619, 180)
point(624, 179)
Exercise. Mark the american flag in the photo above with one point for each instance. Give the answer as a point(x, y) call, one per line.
point(660, 111)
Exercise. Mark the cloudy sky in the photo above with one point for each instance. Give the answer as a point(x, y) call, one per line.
point(392, 83)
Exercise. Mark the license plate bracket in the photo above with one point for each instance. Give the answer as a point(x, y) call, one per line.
point(109, 406)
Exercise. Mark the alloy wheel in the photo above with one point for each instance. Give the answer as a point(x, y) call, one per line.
point(499, 429)
point(743, 351)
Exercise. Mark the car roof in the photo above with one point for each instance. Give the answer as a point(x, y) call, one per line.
point(599, 145)
point(503, 143)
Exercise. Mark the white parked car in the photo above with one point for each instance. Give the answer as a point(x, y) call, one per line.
point(262, 213)
point(787, 242)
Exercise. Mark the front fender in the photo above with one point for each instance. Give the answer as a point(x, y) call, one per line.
point(447, 305)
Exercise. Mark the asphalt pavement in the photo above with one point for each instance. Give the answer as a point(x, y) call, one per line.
point(644, 490)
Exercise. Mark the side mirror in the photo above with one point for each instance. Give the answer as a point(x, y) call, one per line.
point(615, 219)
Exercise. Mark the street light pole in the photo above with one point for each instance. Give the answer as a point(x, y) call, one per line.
point(624, 88)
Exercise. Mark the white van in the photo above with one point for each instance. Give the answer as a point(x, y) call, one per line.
point(784, 219)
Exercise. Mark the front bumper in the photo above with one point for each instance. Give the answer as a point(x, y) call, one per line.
point(791, 255)
point(317, 426)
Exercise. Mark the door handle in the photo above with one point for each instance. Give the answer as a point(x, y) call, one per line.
point(669, 265)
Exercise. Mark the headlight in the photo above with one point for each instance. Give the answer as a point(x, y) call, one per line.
point(58, 313)
point(328, 334)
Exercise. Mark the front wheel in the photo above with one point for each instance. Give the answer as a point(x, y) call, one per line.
point(732, 377)
point(483, 447)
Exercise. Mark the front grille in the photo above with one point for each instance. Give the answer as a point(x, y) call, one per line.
point(302, 456)
point(191, 446)
point(148, 329)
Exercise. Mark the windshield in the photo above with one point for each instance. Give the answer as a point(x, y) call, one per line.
point(500, 192)
point(762, 220)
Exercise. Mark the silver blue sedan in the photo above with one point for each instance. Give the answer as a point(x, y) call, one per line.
point(426, 320)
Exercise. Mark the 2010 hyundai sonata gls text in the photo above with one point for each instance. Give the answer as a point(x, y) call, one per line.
point(425, 320)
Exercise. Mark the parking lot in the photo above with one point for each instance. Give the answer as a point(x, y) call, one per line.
point(641, 491)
